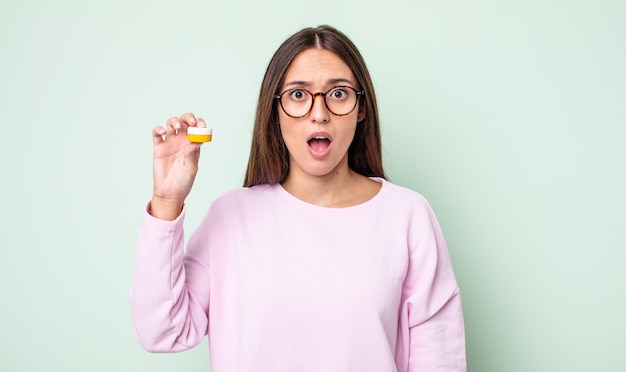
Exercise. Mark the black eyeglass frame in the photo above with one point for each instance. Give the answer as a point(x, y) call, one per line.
point(359, 93)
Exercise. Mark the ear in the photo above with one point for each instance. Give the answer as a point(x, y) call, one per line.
point(361, 115)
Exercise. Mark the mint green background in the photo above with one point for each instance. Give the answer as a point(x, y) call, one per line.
point(509, 116)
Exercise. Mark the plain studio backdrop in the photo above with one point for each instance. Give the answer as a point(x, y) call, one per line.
point(509, 116)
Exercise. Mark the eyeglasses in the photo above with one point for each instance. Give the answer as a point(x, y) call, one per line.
point(299, 102)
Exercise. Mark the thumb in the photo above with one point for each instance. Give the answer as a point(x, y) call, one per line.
point(192, 153)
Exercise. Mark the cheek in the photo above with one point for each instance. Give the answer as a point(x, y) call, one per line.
point(345, 138)
point(350, 126)
point(352, 135)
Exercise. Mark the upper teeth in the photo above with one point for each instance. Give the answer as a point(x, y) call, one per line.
point(319, 137)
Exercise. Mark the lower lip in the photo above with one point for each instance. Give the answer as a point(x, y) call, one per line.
point(319, 155)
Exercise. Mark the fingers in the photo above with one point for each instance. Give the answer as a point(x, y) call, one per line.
point(175, 125)
point(189, 119)
point(158, 135)
point(184, 121)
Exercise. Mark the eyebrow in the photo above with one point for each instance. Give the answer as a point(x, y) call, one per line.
point(329, 82)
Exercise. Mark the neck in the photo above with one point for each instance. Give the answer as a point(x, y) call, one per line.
point(340, 188)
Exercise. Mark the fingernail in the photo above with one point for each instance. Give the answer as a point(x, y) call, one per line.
point(192, 120)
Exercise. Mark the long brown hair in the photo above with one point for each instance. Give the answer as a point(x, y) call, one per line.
point(269, 158)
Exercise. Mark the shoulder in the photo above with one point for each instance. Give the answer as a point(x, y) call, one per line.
point(237, 206)
point(245, 198)
point(405, 204)
point(400, 195)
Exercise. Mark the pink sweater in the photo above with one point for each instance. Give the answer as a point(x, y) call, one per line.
point(282, 285)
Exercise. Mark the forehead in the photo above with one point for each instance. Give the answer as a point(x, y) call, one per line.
point(318, 67)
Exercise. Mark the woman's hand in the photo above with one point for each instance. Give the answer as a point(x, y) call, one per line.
point(175, 165)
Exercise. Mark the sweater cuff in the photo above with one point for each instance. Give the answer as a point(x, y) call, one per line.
point(151, 222)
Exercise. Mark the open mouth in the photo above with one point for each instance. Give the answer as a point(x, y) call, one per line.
point(319, 144)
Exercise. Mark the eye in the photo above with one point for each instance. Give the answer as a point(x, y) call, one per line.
point(298, 95)
point(339, 94)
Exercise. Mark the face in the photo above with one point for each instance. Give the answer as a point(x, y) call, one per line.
point(318, 142)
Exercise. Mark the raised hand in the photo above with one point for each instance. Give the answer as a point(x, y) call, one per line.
point(175, 165)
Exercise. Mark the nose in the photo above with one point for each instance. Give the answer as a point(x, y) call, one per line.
point(319, 111)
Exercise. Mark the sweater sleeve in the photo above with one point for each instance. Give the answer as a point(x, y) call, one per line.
point(432, 317)
point(169, 307)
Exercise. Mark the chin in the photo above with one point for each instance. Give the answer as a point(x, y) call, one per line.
point(319, 167)
point(322, 171)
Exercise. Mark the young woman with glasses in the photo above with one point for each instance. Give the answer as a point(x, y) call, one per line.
point(318, 263)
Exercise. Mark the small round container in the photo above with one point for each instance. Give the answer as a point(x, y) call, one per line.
point(196, 134)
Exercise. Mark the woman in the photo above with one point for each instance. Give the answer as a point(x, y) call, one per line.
point(318, 263)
